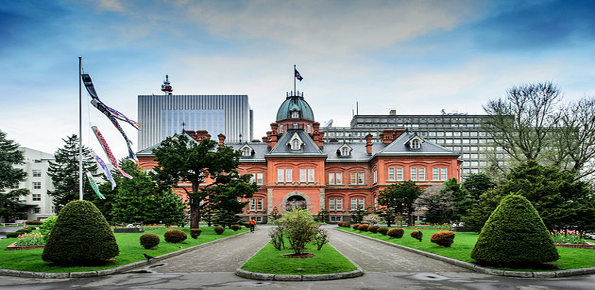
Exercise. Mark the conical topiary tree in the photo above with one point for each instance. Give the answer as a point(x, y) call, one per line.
point(81, 235)
point(514, 235)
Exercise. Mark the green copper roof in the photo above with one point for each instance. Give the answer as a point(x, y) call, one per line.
point(295, 103)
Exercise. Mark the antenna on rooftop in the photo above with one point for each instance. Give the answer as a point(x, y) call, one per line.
point(166, 86)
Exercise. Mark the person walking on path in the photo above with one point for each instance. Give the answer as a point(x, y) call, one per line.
point(252, 224)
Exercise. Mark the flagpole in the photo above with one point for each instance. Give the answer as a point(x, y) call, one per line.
point(80, 133)
point(294, 91)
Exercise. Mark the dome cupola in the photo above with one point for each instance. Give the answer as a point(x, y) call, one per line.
point(295, 107)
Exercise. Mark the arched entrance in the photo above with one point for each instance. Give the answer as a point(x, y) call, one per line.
point(296, 201)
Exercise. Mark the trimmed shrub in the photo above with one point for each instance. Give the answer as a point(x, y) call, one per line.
point(235, 228)
point(383, 230)
point(149, 240)
point(417, 235)
point(12, 235)
point(443, 238)
point(355, 226)
point(396, 233)
point(81, 235)
point(514, 235)
point(33, 223)
point(219, 230)
point(46, 227)
point(175, 236)
point(346, 224)
point(195, 233)
point(363, 228)
point(299, 229)
point(373, 229)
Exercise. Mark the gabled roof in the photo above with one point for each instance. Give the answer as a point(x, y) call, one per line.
point(149, 150)
point(283, 148)
point(399, 147)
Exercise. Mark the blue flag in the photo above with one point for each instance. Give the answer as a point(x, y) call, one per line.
point(297, 75)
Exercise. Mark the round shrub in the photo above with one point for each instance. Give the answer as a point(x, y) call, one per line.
point(149, 240)
point(355, 226)
point(373, 229)
point(396, 233)
point(383, 230)
point(219, 230)
point(175, 236)
point(346, 224)
point(12, 235)
point(235, 228)
point(443, 238)
point(46, 227)
point(363, 228)
point(194, 233)
point(81, 235)
point(417, 235)
point(514, 234)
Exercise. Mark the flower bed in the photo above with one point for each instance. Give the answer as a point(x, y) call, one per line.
point(577, 246)
point(14, 247)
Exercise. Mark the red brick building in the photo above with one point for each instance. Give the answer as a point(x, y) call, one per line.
point(295, 168)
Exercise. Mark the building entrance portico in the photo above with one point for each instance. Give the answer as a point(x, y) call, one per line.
point(297, 200)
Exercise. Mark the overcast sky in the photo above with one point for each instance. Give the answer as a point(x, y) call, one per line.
point(417, 57)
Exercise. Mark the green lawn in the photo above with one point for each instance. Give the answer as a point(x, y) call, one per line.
point(130, 251)
point(327, 260)
point(463, 244)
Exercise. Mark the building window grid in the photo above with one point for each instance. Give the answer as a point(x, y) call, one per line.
point(36, 173)
point(400, 174)
point(36, 185)
point(36, 197)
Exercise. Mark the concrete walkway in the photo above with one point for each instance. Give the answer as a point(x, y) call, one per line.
point(370, 255)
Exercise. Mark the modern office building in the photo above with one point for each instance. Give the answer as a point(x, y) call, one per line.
point(38, 182)
point(460, 133)
point(161, 116)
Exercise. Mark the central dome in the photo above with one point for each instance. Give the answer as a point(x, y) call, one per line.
point(295, 107)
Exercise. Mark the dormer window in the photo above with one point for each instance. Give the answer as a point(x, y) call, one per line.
point(295, 114)
point(415, 144)
point(296, 143)
point(281, 128)
point(344, 150)
point(295, 125)
point(247, 150)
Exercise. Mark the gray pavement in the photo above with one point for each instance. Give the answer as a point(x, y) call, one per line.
point(212, 267)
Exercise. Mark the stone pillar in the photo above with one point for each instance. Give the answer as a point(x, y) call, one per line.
point(270, 201)
point(322, 199)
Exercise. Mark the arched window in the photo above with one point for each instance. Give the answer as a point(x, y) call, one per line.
point(415, 144)
point(344, 151)
point(295, 144)
point(246, 151)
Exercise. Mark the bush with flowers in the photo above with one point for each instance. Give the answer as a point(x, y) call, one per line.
point(30, 240)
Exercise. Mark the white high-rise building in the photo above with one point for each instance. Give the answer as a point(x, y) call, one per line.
point(162, 116)
point(38, 182)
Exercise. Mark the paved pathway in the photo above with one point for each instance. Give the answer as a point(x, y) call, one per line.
point(373, 256)
point(226, 256)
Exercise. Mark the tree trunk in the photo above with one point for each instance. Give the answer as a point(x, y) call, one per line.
point(194, 213)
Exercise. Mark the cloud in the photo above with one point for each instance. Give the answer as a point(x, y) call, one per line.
point(331, 26)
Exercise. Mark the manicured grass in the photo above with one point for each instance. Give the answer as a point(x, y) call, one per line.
point(130, 251)
point(327, 260)
point(570, 258)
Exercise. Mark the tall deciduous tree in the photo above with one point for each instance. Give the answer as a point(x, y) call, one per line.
point(142, 200)
point(399, 199)
point(10, 205)
point(64, 171)
point(522, 122)
point(181, 161)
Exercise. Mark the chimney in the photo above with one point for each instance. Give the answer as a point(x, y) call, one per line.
point(221, 140)
point(392, 112)
point(369, 144)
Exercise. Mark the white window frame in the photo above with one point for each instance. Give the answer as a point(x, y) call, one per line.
point(259, 204)
point(331, 204)
point(361, 178)
point(310, 174)
point(339, 203)
point(331, 178)
point(259, 178)
point(413, 173)
point(443, 173)
point(353, 179)
point(303, 175)
point(435, 173)
point(421, 172)
point(252, 205)
point(280, 175)
point(288, 175)
point(36, 197)
point(391, 174)
point(339, 178)
point(36, 185)
point(375, 176)
point(400, 174)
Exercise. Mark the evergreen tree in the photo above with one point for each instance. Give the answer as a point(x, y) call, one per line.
point(10, 205)
point(514, 235)
point(440, 207)
point(399, 199)
point(562, 201)
point(142, 200)
point(64, 172)
point(210, 171)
